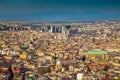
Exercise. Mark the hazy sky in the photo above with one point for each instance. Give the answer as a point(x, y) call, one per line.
point(61, 10)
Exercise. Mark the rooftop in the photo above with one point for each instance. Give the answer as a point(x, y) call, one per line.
point(97, 52)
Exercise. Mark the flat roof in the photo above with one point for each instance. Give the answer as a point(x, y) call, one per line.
point(97, 52)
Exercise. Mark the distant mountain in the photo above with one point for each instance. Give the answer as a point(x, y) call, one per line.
point(59, 16)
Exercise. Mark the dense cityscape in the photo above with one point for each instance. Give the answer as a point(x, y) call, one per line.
point(60, 51)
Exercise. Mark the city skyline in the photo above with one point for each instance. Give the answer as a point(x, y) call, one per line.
point(61, 11)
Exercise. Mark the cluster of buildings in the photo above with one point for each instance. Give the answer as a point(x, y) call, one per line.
point(66, 51)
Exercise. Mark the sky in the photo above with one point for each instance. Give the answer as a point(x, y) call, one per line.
point(59, 10)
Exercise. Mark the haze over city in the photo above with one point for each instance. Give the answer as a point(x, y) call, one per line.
point(59, 10)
